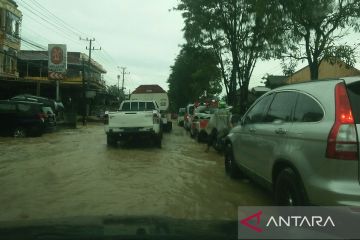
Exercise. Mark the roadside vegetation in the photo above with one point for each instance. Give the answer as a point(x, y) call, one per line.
point(239, 33)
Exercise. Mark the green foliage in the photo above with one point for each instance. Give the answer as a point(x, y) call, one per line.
point(288, 68)
point(195, 72)
point(312, 29)
point(344, 53)
point(239, 31)
point(114, 91)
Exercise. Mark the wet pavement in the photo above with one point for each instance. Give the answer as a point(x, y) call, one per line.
point(73, 173)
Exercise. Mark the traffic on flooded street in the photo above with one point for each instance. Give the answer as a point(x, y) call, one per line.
point(74, 173)
point(179, 119)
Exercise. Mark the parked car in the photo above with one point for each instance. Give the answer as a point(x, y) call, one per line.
point(180, 117)
point(218, 127)
point(55, 106)
point(199, 122)
point(21, 119)
point(302, 142)
point(188, 114)
point(49, 119)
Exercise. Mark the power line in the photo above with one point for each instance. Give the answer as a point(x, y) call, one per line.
point(54, 29)
point(55, 23)
point(59, 20)
point(33, 44)
point(43, 17)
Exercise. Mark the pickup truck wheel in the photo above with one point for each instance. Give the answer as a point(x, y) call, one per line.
point(110, 140)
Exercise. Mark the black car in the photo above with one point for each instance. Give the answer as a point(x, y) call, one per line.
point(21, 119)
point(55, 106)
point(49, 119)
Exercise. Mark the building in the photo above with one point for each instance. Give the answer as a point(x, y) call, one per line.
point(26, 72)
point(33, 75)
point(326, 70)
point(33, 66)
point(255, 93)
point(143, 89)
point(10, 22)
point(152, 92)
point(275, 81)
point(33, 79)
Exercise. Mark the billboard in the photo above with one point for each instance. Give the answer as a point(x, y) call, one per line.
point(57, 61)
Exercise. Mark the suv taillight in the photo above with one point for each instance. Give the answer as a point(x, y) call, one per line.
point(342, 140)
point(203, 123)
point(41, 116)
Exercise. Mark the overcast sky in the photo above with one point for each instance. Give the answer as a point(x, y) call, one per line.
point(142, 35)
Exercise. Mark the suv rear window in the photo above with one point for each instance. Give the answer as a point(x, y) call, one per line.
point(141, 106)
point(134, 106)
point(281, 107)
point(182, 112)
point(138, 106)
point(24, 107)
point(150, 106)
point(125, 106)
point(354, 95)
point(307, 110)
point(47, 110)
point(7, 108)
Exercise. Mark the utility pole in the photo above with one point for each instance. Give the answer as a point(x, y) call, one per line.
point(123, 72)
point(118, 78)
point(90, 48)
point(83, 93)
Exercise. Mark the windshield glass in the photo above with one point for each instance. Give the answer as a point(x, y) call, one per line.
point(182, 112)
point(47, 110)
point(174, 109)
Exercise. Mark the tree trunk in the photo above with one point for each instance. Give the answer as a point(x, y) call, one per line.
point(232, 89)
point(244, 97)
point(314, 70)
point(232, 99)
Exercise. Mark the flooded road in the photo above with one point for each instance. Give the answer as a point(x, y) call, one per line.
point(73, 173)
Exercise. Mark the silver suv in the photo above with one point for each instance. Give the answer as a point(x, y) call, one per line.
point(302, 142)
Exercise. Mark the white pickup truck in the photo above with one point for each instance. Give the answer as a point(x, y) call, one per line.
point(134, 119)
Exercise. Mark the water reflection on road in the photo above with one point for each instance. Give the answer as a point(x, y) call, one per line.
point(73, 173)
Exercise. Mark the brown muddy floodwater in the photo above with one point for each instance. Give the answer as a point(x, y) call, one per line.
point(73, 173)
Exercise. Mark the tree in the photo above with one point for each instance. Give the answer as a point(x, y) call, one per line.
point(313, 28)
point(193, 74)
point(115, 92)
point(239, 31)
